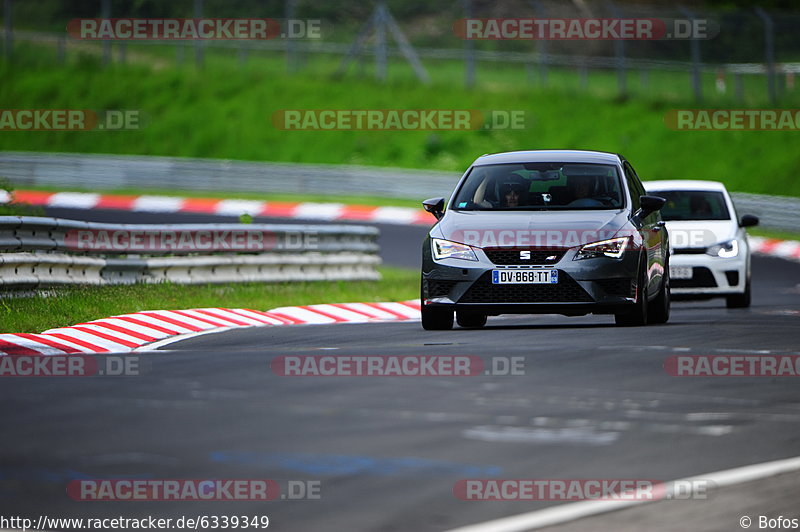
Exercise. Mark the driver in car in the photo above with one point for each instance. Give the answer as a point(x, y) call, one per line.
point(581, 187)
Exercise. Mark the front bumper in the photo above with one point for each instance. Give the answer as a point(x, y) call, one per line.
point(598, 285)
point(711, 276)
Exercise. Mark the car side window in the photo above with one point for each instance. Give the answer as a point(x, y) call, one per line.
point(634, 186)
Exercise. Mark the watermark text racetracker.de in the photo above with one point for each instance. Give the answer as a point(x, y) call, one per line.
point(149, 522)
point(76, 365)
point(584, 29)
point(71, 120)
point(397, 119)
point(193, 489)
point(733, 365)
point(141, 29)
point(188, 240)
point(733, 119)
point(396, 366)
point(559, 489)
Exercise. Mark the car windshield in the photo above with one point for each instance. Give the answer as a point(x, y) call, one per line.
point(693, 205)
point(540, 186)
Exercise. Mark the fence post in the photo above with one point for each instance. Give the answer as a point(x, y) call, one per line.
point(541, 45)
point(769, 52)
point(291, 52)
point(198, 44)
point(619, 53)
point(695, 50)
point(469, 50)
point(9, 44)
point(380, 42)
point(106, 13)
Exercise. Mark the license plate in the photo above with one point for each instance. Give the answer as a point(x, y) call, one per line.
point(521, 276)
point(680, 272)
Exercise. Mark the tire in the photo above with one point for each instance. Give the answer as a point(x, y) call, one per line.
point(436, 319)
point(470, 320)
point(740, 300)
point(636, 316)
point(658, 310)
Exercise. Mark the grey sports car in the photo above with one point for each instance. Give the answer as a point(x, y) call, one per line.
point(556, 231)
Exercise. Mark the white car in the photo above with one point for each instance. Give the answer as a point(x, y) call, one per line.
point(710, 255)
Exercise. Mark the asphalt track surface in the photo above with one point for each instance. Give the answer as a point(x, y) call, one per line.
point(594, 402)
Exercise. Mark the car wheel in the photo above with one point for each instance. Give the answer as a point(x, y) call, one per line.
point(637, 314)
point(470, 320)
point(658, 310)
point(740, 300)
point(436, 319)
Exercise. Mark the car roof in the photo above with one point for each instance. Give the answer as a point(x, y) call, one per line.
point(684, 184)
point(544, 156)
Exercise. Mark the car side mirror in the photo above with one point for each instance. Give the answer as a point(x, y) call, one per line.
point(435, 206)
point(748, 220)
point(649, 205)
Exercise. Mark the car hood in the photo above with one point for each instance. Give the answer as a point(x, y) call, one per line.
point(700, 233)
point(529, 229)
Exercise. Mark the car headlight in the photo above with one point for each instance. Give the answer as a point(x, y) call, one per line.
point(725, 250)
point(444, 249)
point(613, 248)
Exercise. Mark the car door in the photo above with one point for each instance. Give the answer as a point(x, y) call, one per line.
point(653, 233)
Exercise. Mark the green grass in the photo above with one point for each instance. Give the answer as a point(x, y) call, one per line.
point(71, 305)
point(225, 110)
point(772, 233)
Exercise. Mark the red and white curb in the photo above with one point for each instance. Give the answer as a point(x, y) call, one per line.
point(226, 207)
point(787, 249)
point(128, 332)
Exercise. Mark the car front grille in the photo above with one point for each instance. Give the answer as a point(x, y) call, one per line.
point(701, 278)
point(688, 251)
point(511, 256)
point(565, 291)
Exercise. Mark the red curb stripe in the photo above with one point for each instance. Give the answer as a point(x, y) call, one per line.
point(123, 330)
point(265, 321)
point(205, 205)
point(357, 212)
point(344, 306)
point(217, 316)
point(173, 321)
point(110, 201)
point(198, 318)
point(10, 348)
point(144, 324)
point(105, 336)
point(338, 319)
point(279, 209)
point(34, 197)
point(43, 339)
point(87, 345)
point(288, 320)
point(393, 312)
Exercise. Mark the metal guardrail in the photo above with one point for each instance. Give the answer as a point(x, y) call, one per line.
point(98, 172)
point(38, 252)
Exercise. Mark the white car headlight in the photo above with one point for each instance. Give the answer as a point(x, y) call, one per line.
point(613, 248)
point(444, 249)
point(725, 250)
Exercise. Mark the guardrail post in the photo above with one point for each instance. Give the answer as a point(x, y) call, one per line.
point(541, 45)
point(291, 52)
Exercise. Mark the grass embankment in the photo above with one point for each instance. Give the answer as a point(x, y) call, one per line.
point(67, 306)
point(225, 111)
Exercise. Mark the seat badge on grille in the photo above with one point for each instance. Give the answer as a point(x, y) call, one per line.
point(524, 255)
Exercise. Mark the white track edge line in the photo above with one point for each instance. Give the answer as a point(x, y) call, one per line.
point(570, 512)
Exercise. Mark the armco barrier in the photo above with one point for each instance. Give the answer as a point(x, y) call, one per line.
point(37, 252)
